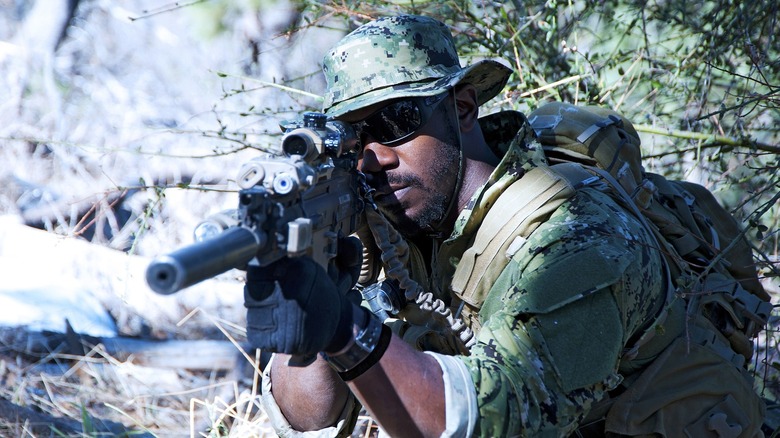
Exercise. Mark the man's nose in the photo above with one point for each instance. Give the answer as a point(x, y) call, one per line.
point(377, 157)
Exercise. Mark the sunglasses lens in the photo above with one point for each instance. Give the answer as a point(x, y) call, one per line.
point(394, 121)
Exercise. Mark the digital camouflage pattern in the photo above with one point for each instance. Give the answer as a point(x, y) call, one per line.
point(555, 322)
point(376, 62)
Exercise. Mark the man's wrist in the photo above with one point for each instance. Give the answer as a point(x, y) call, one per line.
point(370, 339)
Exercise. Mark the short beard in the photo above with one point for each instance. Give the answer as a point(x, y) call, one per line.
point(446, 171)
point(446, 174)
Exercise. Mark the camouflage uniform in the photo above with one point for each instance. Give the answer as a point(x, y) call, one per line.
point(555, 323)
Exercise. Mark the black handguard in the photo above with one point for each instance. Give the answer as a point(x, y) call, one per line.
point(294, 204)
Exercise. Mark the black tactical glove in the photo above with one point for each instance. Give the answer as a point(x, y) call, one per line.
point(307, 312)
point(346, 266)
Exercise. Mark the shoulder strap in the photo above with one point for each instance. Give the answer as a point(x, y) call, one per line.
point(517, 212)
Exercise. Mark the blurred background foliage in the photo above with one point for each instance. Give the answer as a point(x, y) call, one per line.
point(699, 80)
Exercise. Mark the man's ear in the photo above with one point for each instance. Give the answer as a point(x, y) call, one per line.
point(468, 108)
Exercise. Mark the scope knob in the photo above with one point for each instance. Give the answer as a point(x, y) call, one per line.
point(314, 120)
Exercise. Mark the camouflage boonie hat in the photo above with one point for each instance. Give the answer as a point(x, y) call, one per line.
point(401, 56)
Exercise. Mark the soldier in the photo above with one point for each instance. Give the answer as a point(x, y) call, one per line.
point(554, 329)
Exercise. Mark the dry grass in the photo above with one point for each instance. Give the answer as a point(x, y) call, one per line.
point(97, 393)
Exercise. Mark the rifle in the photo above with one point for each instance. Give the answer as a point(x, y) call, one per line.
point(294, 204)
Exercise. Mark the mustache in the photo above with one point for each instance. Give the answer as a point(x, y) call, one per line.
point(380, 180)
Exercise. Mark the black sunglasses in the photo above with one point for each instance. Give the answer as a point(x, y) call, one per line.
point(399, 120)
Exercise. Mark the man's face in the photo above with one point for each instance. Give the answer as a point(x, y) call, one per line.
point(414, 177)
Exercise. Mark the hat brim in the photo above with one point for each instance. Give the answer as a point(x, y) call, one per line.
point(488, 76)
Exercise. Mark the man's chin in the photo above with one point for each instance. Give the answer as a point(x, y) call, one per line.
point(404, 224)
point(412, 223)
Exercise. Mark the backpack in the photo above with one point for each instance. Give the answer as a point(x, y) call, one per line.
point(709, 265)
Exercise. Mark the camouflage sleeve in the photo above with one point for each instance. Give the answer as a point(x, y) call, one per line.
point(460, 399)
point(557, 318)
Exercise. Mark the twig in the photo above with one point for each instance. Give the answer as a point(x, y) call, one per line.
point(164, 9)
point(272, 84)
point(563, 81)
point(714, 140)
point(723, 111)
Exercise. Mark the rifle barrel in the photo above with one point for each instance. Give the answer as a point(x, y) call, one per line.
point(233, 248)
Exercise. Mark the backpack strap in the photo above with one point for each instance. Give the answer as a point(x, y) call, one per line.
point(527, 203)
point(519, 210)
point(686, 235)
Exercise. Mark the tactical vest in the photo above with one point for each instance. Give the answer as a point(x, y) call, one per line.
point(693, 380)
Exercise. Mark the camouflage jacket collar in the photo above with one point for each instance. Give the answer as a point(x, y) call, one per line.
point(509, 135)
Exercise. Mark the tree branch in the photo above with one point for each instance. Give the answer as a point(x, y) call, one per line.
point(710, 139)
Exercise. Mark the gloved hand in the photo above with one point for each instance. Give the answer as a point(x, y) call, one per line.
point(346, 266)
point(308, 311)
